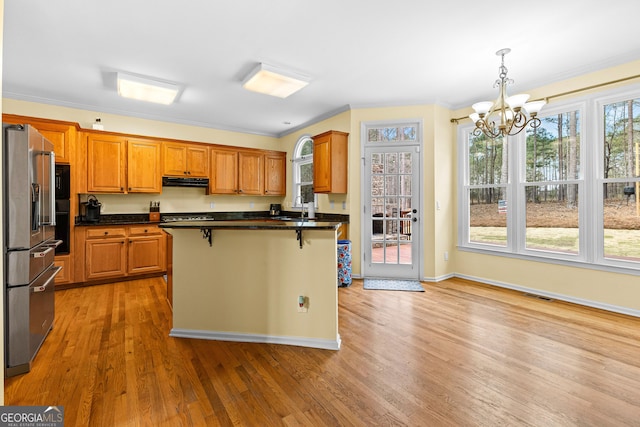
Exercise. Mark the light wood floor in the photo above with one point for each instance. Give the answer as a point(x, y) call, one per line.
point(459, 354)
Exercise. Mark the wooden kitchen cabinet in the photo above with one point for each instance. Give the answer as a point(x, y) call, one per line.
point(236, 171)
point(61, 134)
point(66, 274)
point(181, 159)
point(275, 173)
point(106, 157)
point(112, 252)
point(224, 171)
point(143, 166)
point(105, 253)
point(147, 250)
point(330, 151)
point(250, 173)
point(247, 172)
point(117, 164)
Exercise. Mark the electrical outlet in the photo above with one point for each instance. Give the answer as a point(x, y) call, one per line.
point(303, 303)
point(446, 256)
point(211, 205)
point(344, 206)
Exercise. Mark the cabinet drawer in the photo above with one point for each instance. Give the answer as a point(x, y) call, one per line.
point(96, 233)
point(141, 230)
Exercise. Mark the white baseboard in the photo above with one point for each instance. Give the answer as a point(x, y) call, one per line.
point(553, 295)
point(439, 278)
point(256, 338)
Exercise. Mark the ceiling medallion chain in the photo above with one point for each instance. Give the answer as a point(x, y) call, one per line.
point(508, 115)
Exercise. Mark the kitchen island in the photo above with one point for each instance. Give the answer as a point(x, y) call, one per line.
point(243, 280)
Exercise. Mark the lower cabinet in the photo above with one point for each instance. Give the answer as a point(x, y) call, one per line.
point(147, 250)
point(65, 274)
point(115, 252)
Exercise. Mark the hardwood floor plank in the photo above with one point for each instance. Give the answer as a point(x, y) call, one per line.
point(460, 353)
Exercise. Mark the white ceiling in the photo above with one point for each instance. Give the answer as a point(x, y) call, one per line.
point(359, 53)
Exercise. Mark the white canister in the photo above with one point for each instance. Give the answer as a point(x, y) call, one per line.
point(311, 210)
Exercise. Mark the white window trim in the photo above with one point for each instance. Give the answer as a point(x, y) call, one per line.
point(590, 180)
point(297, 161)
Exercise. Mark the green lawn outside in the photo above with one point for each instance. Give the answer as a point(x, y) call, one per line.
point(617, 243)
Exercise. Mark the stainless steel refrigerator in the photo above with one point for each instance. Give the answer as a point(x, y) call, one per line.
point(29, 244)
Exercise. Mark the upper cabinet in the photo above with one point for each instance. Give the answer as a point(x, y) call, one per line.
point(251, 172)
point(236, 171)
point(106, 157)
point(275, 173)
point(143, 166)
point(181, 159)
point(330, 151)
point(247, 172)
point(116, 164)
point(61, 134)
point(224, 171)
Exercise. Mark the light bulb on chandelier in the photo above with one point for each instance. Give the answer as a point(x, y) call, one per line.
point(508, 115)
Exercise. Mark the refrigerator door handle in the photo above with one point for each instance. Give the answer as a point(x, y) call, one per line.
point(35, 206)
point(43, 287)
point(42, 254)
point(52, 193)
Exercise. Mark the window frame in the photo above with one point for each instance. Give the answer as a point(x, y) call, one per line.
point(590, 183)
point(298, 160)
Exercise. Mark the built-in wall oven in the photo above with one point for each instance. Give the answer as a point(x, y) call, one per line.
point(63, 204)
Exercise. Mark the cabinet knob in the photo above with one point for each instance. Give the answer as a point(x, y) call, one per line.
point(129, 188)
point(145, 230)
point(106, 233)
point(121, 189)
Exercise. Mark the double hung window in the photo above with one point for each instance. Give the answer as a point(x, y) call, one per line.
point(566, 192)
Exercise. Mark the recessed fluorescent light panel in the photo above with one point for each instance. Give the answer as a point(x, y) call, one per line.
point(146, 89)
point(274, 81)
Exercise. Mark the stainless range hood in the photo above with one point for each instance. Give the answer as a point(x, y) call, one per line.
point(173, 181)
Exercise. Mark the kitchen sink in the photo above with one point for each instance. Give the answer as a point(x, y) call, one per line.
point(290, 218)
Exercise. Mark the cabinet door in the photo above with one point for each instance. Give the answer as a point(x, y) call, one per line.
point(330, 151)
point(322, 164)
point(66, 274)
point(105, 163)
point(275, 174)
point(105, 258)
point(143, 166)
point(250, 173)
point(147, 254)
point(224, 171)
point(61, 134)
point(174, 159)
point(198, 161)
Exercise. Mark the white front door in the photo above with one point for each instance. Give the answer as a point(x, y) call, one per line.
point(391, 198)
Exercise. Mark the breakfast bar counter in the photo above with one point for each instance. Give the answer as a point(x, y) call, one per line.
point(246, 279)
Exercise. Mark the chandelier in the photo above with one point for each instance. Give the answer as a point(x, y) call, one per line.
point(508, 115)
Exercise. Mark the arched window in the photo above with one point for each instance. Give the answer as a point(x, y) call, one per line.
point(303, 172)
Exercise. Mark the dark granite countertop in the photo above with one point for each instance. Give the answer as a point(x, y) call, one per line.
point(253, 224)
point(243, 217)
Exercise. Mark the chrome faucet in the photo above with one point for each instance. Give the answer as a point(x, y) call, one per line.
point(301, 207)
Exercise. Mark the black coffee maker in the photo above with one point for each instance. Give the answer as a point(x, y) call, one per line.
point(90, 210)
point(274, 209)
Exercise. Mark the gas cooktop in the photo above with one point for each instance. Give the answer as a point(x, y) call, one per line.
point(187, 218)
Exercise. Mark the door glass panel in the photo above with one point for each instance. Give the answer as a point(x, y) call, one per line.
point(391, 181)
